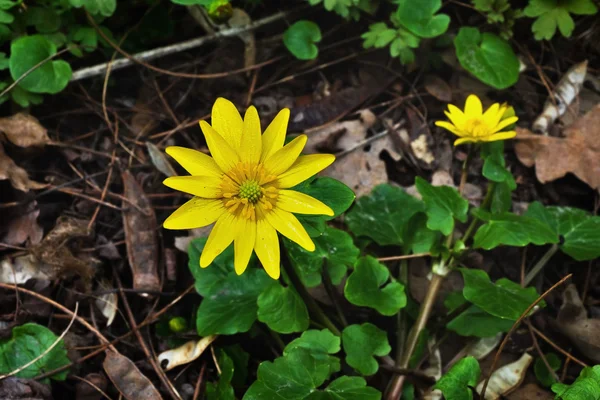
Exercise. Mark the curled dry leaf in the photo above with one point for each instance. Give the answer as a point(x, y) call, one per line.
point(108, 302)
point(140, 236)
point(564, 93)
point(438, 88)
point(505, 379)
point(24, 130)
point(128, 379)
point(482, 347)
point(159, 160)
point(578, 152)
point(185, 354)
point(18, 176)
point(24, 227)
point(24, 389)
point(19, 270)
point(574, 323)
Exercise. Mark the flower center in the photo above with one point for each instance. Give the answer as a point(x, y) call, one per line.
point(250, 190)
point(477, 127)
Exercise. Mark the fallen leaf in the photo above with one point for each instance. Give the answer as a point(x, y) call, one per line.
point(140, 236)
point(19, 270)
point(578, 152)
point(18, 176)
point(482, 347)
point(438, 88)
point(186, 353)
point(506, 378)
point(159, 160)
point(24, 389)
point(434, 369)
point(573, 322)
point(24, 227)
point(531, 391)
point(128, 379)
point(85, 391)
point(108, 302)
point(24, 130)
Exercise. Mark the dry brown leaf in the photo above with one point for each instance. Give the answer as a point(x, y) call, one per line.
point(108, 302)
point(24, 130)
point(578, 152)
point(140, 236)
point(19, 270)
point(159, 160)
point(24, 227)
point(531, 391)
point(506, 378)
point(18, 176)
point(128, 379)
point(24, 389)
point(574, 323)
point(438, 88)
point(186, 353)
point(85, 391)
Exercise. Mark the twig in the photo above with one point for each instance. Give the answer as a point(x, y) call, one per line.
point(405, 257)
point(540, 264)
point(558, 348)
point(540, 352)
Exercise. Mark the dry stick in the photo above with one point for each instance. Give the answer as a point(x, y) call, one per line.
point(514, 327)
point(48, 350)
point(406, 257)
point(141, 58)
point(558, 348)
point(199, 381)
point(82, 321)
point(540, 352)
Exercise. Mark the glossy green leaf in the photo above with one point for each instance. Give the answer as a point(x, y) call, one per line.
point(488, 57)
point(45, 19)
point(423, 20)
point(347, 388)
point(240, 360)
point(383, 215)
point(222, 390)
point(300, 39)
point(586, 386)
point(367, 287)
point(282, 309)
point(443, 205)
point(542, 374)
point(28, 51)
point(503, 299)
point(551, 14)
point(361, 344)
point(320, 344)
point(512, 230)
point(28, 342)
point(330, 191)
point(456, 384)
point(334, 249)
point(105, 8)
point(476, 322)
point(24, 98)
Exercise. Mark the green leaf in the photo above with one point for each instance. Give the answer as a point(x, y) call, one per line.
point(6, 18)
point(361, 344)
point(282, 309)
point(106, 8)
point(24, 98)
point(3, 61)
point(240, 360)
point(28, 342)
point(8, 4)
point(456, 384)
point(586, 386)
point(501, 198)
point(488, 57)
point(28, 51)
point(476, 322)
point(222, 390)
point(347, 388)
point(364, 287)
point(333, 247)
point(45, 19)
point(87, 37)
point(503, 299)
point(512, 230)
point(300, 39)
point(383, 215)
point(320, 344)
point(210, 279)
point(541, 371)
point(422, 20)
point(332, 192)
point(550, 14)
point(443, 205)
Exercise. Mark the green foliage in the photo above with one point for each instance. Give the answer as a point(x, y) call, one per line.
point(222, 390)
point(421, 19)
point(365, 287)
point(320, 344)
point(28, 342)
point(443, 205)
point(541, 371)
point(334, 250)
point(586, 386)
point(494, 169)
point(361, 344)
point(282, 309)
point(476, 322)
point(400, 40)
point(300, 39)
point(456, 384)
point(551, 14)
point(503, 299)
point(348, 9)
point(499, 13)
point(105, 8)
point(488, 57)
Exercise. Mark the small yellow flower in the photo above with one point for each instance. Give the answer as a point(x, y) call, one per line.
point(245, 187)
point(474, 125)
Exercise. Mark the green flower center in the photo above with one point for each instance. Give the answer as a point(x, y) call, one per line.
point(477, 127)
point(250, 190)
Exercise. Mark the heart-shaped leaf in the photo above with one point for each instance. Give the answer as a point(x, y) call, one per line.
point(361, 344)
point(282, 309)
point(300, 39)
point(421, 19)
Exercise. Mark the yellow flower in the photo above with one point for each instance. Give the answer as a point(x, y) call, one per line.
point(474, 125)
point(245, 187)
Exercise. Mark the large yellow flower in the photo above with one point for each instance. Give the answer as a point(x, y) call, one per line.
point(474, 125)
point(245, 187)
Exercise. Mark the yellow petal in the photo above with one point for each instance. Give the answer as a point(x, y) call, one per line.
point(223, 154)
point(266, 247)
point(195, 213)
point(219, 239)
point(244, 243)
point(285, 157)
point(251, 147)
point(466, 140)
point(304, 168)
point(208, 187)
point(289, 226)
point(194, 162)
point(499, 136)
point(505, 122)
point(227, 120)
point(300, 203)
point(274, 136)
point(492, 115)
point(450, 127)
point(456, 116)
point(473, 107)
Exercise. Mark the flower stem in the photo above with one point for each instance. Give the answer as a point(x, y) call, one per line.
point(484, 206)
point(540, 264)
point(312, 305)
point(401, 317)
